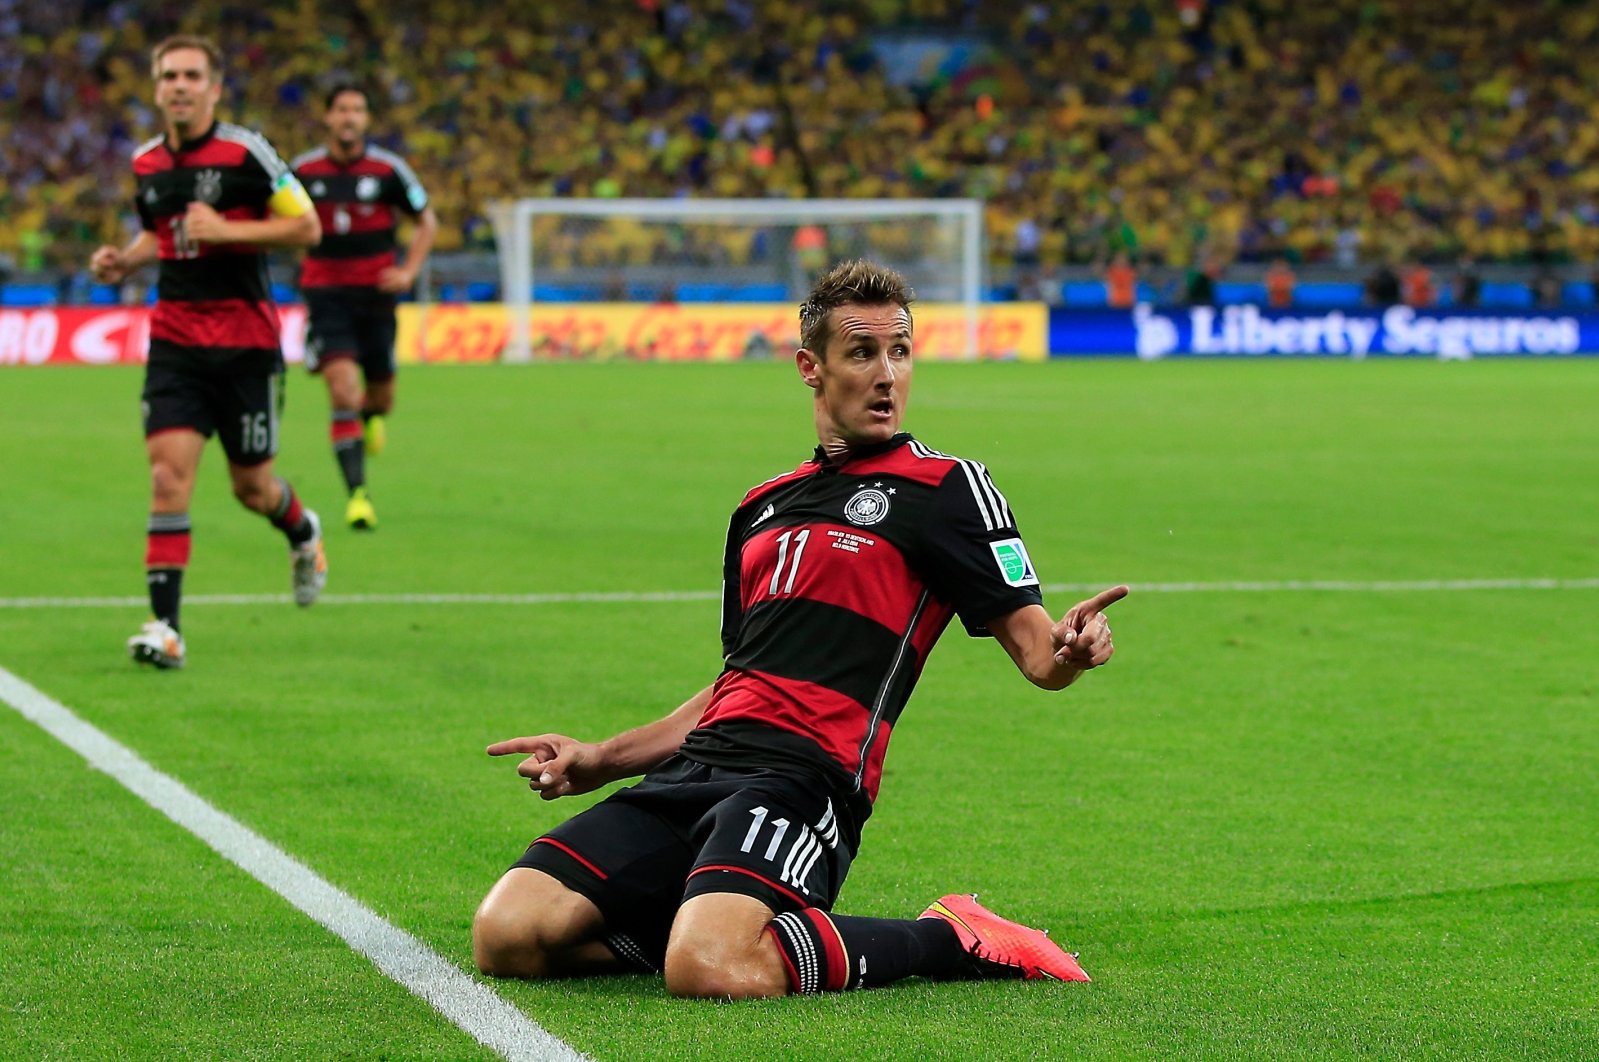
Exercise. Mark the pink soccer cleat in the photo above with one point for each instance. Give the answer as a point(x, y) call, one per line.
point(1002, 948)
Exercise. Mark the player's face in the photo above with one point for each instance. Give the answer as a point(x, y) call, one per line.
point(864, 382)
point(348, 119)
point(186, 89)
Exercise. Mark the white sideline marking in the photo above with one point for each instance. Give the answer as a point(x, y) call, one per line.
point(475, 1008)
point(630, 597)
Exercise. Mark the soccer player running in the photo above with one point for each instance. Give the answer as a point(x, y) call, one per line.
point(350, 280)
point(212, 198)
point(722, 865)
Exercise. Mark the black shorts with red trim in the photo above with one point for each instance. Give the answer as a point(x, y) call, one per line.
point(351, 323)
point(236, 394)
point(688, 829)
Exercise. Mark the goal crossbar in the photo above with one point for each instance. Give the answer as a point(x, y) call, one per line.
point(513, 226)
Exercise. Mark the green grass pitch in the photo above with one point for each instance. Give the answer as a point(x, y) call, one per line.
point(1350, 824)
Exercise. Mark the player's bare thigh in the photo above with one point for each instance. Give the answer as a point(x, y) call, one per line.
point(530, 925)
point(343, 378)
point(719, 949)
point(174, 458)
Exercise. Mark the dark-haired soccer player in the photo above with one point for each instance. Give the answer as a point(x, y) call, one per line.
point(721, 867)
point(351, 279)
point(212, 197)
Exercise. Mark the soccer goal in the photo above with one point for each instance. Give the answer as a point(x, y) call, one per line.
point(725, 251)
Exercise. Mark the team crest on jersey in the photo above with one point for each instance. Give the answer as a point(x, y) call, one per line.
point(208, 186)
point(151, 195)
point(318, 189)
point(867, 507)
point(367, 188)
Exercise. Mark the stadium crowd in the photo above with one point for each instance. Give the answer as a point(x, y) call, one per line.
point(1351, 131)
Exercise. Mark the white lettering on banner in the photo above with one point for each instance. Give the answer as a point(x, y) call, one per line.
point(97, 342)
point(27, 337)
point(1405, 331)
point(1156, 334)
point(1245, 330)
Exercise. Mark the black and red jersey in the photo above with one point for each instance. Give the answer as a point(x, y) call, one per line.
point(358, 203)
point(838, 580)
point(213, 298)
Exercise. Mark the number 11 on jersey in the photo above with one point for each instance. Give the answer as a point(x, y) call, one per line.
point(782, 557)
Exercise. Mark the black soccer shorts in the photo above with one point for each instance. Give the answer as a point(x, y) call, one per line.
point(688, 829)
point(351, 323)
point(237, 397)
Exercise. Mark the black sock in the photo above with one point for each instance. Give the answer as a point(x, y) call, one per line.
point(166, 554)
point(349, 448)
point(166, 591)
point(289, 517)
point(831, 953)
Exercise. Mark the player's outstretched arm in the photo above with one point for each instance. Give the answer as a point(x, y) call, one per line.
point(558, 766)
point(1053, 654)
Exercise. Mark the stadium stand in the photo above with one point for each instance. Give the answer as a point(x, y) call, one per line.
point(1337, 134)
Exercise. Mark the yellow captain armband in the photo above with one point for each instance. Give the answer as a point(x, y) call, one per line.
point(288, 199)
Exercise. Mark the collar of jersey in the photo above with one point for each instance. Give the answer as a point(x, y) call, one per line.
point(899, 439)
point(345, 164)
point(189, 145)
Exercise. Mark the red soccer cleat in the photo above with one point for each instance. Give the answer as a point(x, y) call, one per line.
point(1001, 947)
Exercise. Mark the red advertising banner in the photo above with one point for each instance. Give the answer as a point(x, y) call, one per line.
point(79, 335)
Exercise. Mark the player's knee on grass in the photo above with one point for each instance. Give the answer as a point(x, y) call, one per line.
point(720, 950)
point(528, 923)
point(507, 946)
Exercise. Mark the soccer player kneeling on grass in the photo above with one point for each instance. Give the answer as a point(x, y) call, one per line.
point(721, 866)
point(212, 198)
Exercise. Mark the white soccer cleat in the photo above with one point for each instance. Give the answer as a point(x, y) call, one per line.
point(157, 644)
point(310, 565)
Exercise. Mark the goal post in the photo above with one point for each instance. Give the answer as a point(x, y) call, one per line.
point(755, 249)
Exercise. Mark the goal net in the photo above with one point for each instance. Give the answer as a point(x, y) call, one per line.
point(745, 258)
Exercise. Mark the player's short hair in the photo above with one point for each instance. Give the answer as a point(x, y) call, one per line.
point(340, 88)
point(213, 54)
point(858, 281)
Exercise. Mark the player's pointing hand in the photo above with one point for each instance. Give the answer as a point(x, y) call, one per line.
point(1082, 637)
point(556, 765)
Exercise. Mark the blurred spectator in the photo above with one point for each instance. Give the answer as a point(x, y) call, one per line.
point(1419, 289)
point(1280, 282)
point(1468, 285)
point(1200, 287)
point(1547, 289)
point(1043, 285)
point(1382, 286)
point(1121, 283)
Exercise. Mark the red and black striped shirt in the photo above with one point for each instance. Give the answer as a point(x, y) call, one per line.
point(358, 203)
point(211, 298)
point(837, 582)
